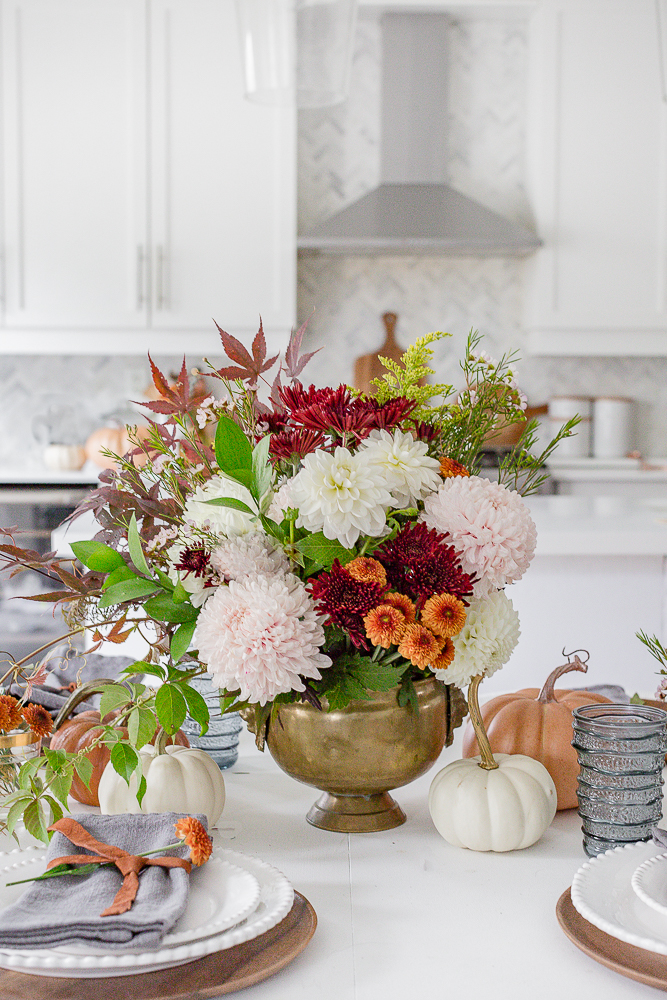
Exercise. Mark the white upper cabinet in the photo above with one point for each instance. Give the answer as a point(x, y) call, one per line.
point(143, 195)
point(598, 174)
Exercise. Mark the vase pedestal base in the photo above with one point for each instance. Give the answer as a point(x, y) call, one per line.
point(356, 813)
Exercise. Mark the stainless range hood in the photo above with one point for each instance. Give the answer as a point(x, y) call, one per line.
point(413, 211)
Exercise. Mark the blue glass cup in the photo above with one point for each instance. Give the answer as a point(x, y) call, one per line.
point(221, 740)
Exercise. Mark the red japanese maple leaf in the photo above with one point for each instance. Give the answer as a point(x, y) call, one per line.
point(246, 367)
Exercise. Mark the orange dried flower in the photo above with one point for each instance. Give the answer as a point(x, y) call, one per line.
point(449, 468)
point(385, 625)
point(367, 570)
point(444, 614)
point(403, 603)
point(10, 712)
point(446, 656)
point(419, 645)
point(38, 719)
point(192, 833)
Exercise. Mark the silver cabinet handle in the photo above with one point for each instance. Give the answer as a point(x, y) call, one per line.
point(161, 278)
point(141, 261)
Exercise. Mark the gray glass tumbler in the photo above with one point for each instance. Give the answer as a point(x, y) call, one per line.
point(621, 751)
point(221, 741)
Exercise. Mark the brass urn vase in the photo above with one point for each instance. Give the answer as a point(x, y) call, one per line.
point(357, 754)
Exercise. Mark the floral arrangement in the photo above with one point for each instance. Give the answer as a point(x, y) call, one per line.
point(315, 544)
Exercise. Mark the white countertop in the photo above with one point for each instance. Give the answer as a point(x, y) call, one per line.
point(41, 476)
point(593, 526)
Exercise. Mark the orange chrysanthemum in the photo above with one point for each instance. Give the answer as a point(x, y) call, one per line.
point(444, 614)
point(367, 570)
point(403, 603)
point(11, 715)
point(385, 625)
point(446, 656)
point(419, 645)
point(192, 833)
point(449, 468)
point(38, 719)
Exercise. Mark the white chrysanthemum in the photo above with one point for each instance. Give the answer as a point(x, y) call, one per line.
point(410, 474)
point(486, 641)
point(280, 501)
point(221, 520)
point(248, 555)
point(260, 637)
point(340, 495)
point(490, 526)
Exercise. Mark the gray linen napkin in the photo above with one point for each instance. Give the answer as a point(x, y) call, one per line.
point(66, 910)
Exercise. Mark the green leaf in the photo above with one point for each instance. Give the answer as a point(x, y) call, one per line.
point(164, 580)
point(134, 544)
point(16, 811)
point(346, 689)
point(113, 696)
point(141, 790)
point(324, 550)
point(230, 502)
point(56, 809)
point(140, 727)
point(242, 476)
point(163, 609)
point(377, 676)
point(181, 639)
point(141, 667)
point(180, 594)
point(197, 707)
point(84, 769)
point(407, 694)
point(232, 448)
point(118, 575)
point(27, 772)
point(34, 821)
point(125, 760)
point(171, 708)
point(128, 590)
point(97, 556)
point(262, 471)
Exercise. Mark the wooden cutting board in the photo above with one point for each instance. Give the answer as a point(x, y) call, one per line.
point(368, 366)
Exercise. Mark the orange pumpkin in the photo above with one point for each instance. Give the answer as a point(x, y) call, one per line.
point(76, 734)
point(539, 725)
point(116, 439)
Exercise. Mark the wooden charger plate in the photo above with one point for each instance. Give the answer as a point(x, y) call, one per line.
point(628, 960)
point(222, 972)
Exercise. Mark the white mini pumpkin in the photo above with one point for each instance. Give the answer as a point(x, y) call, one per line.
point(502, 809)
point(182, 779)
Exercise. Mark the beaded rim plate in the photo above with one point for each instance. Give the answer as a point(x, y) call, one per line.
point(603, 894)
point(649, 881)
point(200, 937)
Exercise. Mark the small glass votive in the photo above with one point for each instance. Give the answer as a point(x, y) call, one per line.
point(621, 752)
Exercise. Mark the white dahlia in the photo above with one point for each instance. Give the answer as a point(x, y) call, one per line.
point(218, 519)
point(248, 555)
point(490, 527)
point(260, 637)
point(486, 641)
point(409, 473)
point(340, 495)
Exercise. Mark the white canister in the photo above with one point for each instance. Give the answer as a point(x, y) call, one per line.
point(612, 416)
point(562, 409)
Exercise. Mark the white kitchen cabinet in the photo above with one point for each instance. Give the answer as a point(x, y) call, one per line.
point(143, 196)
point(597, 137)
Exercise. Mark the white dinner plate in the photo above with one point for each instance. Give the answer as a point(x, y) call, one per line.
point(649, 881)
point(602, 893)
point(201, 930)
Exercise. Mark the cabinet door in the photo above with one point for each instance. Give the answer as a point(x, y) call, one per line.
point(223, 178)
point(74, 163)
point(598, 130)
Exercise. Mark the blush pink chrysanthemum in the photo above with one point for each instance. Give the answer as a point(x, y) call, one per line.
point(489, 525)
point(248, 555)
point(260, 637)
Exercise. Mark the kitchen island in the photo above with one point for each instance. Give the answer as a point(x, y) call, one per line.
point(597, 578)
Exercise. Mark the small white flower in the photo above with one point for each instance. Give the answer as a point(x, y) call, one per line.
point(340, 495)
point(486, 641)
point(218, 519)
point(407, 469)
point(205, 413)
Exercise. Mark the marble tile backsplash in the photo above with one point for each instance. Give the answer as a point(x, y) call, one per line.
point(343, 298)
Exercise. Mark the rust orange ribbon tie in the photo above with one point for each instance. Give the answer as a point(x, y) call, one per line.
point(128, 864)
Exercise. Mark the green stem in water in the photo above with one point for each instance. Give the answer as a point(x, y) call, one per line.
point(488, 761)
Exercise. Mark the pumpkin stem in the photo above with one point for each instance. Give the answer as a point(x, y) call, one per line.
point(161, 741)
point(488, 761)
point(546, 695)
point(78, 695)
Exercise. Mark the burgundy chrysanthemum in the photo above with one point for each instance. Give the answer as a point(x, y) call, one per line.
point(386, 416)
point(194, 560)
point(420, 563)
point(295, 397)
point(424, 431)
point(345, 601)
point(299, 442)
point(338, 413)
